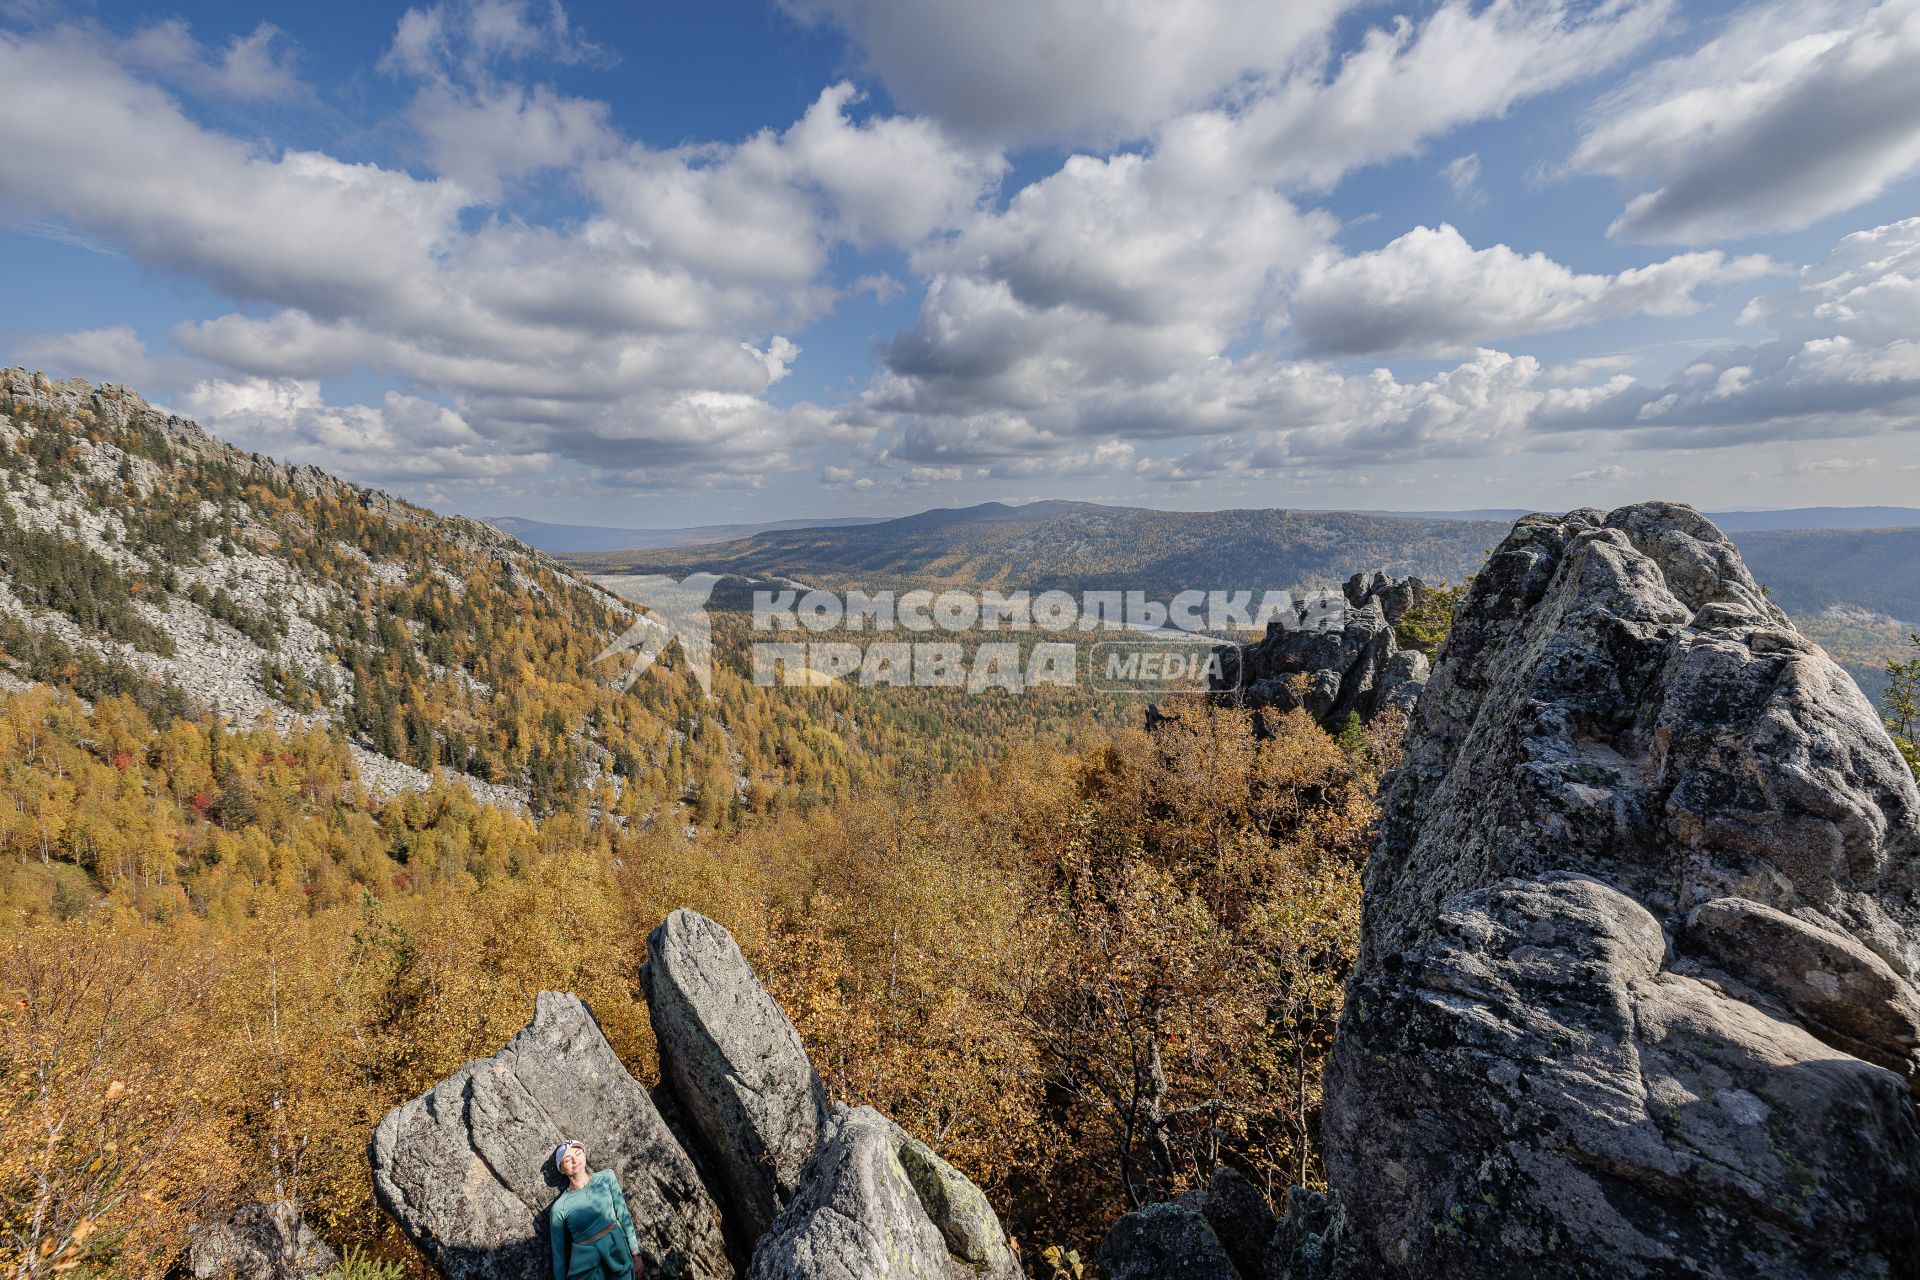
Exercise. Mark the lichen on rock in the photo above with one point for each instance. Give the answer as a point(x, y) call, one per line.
point(1636, 993)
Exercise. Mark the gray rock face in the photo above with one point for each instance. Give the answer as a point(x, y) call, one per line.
point(875, 1204)
point(1343, 644)
point(1168, 1241)
point(735, 1066)
point(1401, 681)
point(466, 1167)
point(1309, 1243)
point(1240, 1219)
point(259, 1242)
point(1224, 1231)
point(1636, 993)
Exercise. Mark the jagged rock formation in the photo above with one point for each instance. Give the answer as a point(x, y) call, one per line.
point(1344, 647)
point(466, 1168)
point(259, 1242)
point(846, 1194)
point(1167, 1241)
point(1222, 1233)
point(1637, 989)
point(735, 1066)
point(874, 1202)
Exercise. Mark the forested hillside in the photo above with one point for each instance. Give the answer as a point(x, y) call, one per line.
point(305, 791)
point(227, 961)
point(1812, 569)
point(139, 556)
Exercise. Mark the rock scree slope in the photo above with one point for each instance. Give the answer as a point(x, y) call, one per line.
point(1637, 987)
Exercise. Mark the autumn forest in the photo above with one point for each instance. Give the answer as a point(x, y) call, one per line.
point(1084, 961)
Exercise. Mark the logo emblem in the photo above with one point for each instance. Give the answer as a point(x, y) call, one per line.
point(676, 611)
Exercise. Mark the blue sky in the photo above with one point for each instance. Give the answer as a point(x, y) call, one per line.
point(663, 264)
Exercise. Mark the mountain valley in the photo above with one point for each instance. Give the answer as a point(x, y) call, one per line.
point(306, 792)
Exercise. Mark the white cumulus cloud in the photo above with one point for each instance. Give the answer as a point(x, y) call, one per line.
point(1430, 292)
point(638, 339)
point(1793, 112)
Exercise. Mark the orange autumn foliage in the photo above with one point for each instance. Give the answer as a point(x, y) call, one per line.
point(1083, 977)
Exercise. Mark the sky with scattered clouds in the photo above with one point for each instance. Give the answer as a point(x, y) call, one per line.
point(665, 264)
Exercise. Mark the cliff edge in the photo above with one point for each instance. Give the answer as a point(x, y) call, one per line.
point(1637, 988)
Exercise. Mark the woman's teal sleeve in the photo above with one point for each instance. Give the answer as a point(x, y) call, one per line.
point(556, 1231)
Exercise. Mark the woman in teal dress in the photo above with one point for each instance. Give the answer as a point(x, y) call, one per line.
point(592, 1233)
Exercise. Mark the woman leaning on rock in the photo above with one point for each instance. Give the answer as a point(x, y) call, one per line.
point(592, 1233)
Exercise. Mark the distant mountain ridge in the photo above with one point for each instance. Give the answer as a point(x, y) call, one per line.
point(575, 539)
point(553, 538)
point(1086, 546)
point(1856, 589)
point(1816, 518)
point(1814, 569)
point(1811, 557)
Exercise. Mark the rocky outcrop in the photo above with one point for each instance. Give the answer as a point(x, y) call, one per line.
point(846, 1194)
point(259, 1242)
point(735, 1066)
point(876, 1204)
point(1168, 1241)
point(1241, 1220)
point(1334, 654)
point(466, 1168)
point(1223, 1232)
point(1637, 986)
point(1309, 1243)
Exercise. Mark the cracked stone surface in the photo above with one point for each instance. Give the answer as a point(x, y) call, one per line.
point(466, 1171)
point(735, 1066)
point(1636, 994)
point(876, 1204)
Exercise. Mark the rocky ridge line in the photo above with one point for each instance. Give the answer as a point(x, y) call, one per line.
point(214, 664)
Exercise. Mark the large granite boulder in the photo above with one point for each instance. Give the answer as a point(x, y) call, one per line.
point(466, 1168)
point(876, 1204)
point(1334, 653)
point(268, 1241)
point(1637, 985)
point(735, 1067)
